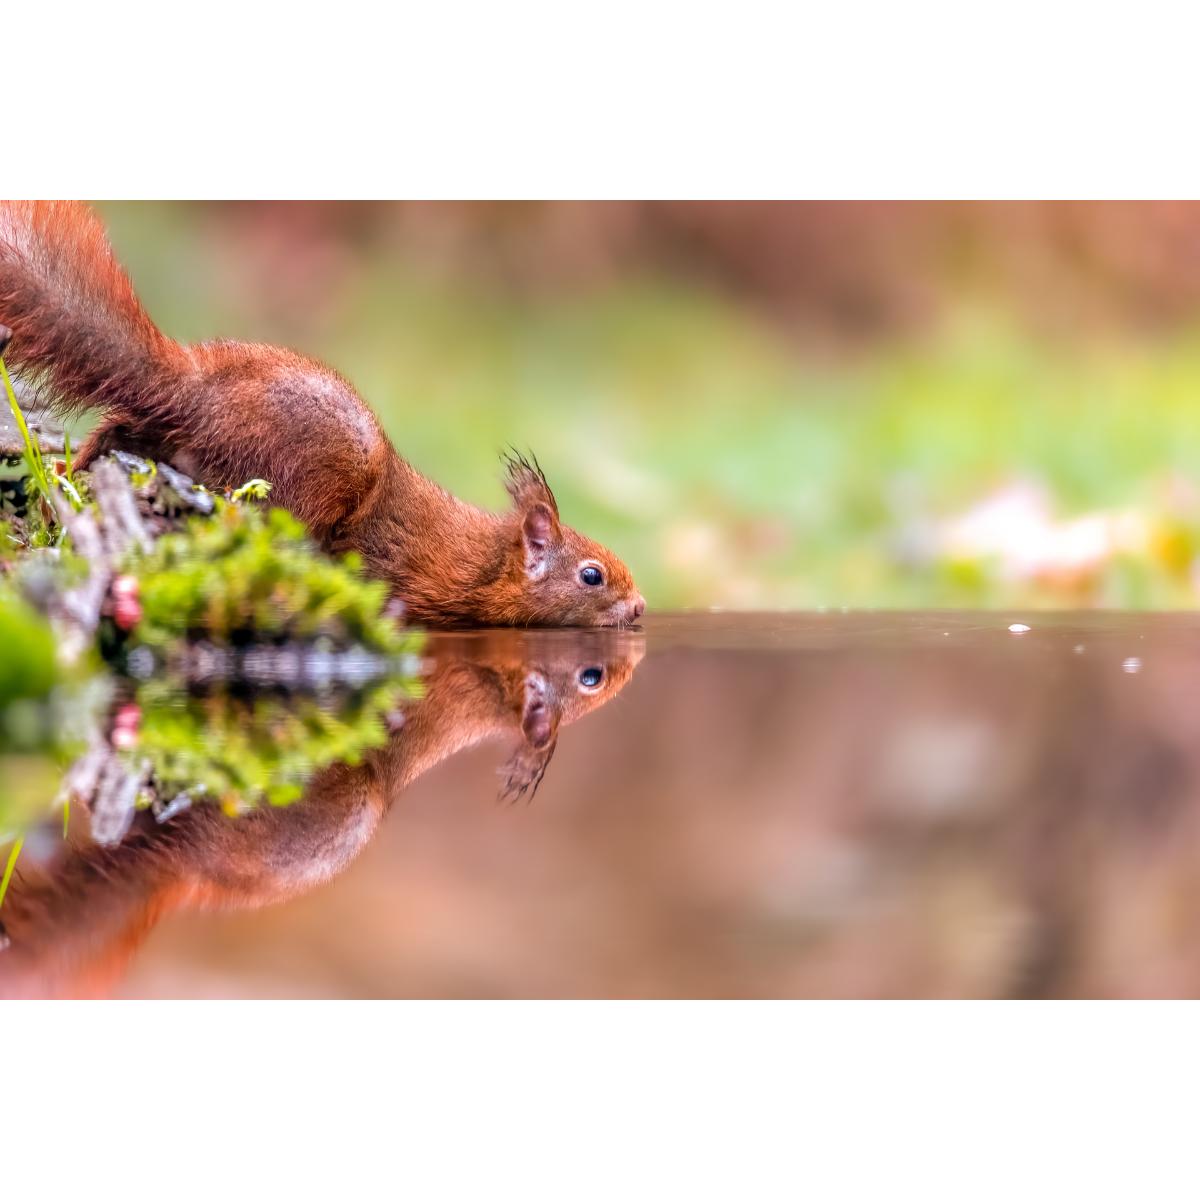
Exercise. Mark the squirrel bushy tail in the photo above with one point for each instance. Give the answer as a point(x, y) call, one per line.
point(80, 336)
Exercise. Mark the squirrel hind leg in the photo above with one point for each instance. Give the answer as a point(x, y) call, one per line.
point(109, 436)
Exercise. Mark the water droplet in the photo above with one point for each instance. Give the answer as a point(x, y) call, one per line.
point(1131, 666)
point(1017, 627)
point(1078, 649)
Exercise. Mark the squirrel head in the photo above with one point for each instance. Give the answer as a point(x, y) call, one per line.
point(554, 575)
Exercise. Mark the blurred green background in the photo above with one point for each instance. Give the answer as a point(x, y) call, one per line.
point(758, 405)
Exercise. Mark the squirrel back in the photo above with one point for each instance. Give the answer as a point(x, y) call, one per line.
point(225, 412)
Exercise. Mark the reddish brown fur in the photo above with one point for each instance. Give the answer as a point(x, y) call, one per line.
point(74, 927)
point(226, 412)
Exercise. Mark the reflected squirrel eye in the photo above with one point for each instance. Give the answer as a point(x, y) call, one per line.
point(590, 677)
point(591, 576)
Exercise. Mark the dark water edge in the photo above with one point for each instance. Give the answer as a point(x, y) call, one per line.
point(746, 805)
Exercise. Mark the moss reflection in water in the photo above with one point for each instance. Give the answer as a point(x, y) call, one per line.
point(250, 750)
point(162, 746)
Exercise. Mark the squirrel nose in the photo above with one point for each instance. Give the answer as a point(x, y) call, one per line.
point(639, 607)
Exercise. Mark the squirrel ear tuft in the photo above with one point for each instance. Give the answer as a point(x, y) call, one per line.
point(523, 772)
point(526, 483)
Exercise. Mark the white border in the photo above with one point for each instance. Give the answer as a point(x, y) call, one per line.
point(646, 99)
point(604, 1100)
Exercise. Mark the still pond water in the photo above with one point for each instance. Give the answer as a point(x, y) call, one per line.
point(834, 805)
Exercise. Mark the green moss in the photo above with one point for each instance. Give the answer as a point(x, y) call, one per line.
point(248, 573)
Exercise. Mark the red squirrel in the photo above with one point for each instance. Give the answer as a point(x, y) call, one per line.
point(225, 412)
point(73, 926)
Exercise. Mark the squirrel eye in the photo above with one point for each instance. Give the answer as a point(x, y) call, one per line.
point(590, 677)
point(591, 576)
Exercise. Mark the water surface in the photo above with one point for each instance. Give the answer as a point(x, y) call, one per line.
point(832, 805)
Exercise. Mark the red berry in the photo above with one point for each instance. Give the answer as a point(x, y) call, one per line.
point(127, 612)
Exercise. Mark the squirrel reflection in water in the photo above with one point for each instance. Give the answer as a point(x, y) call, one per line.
point(73, 925)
